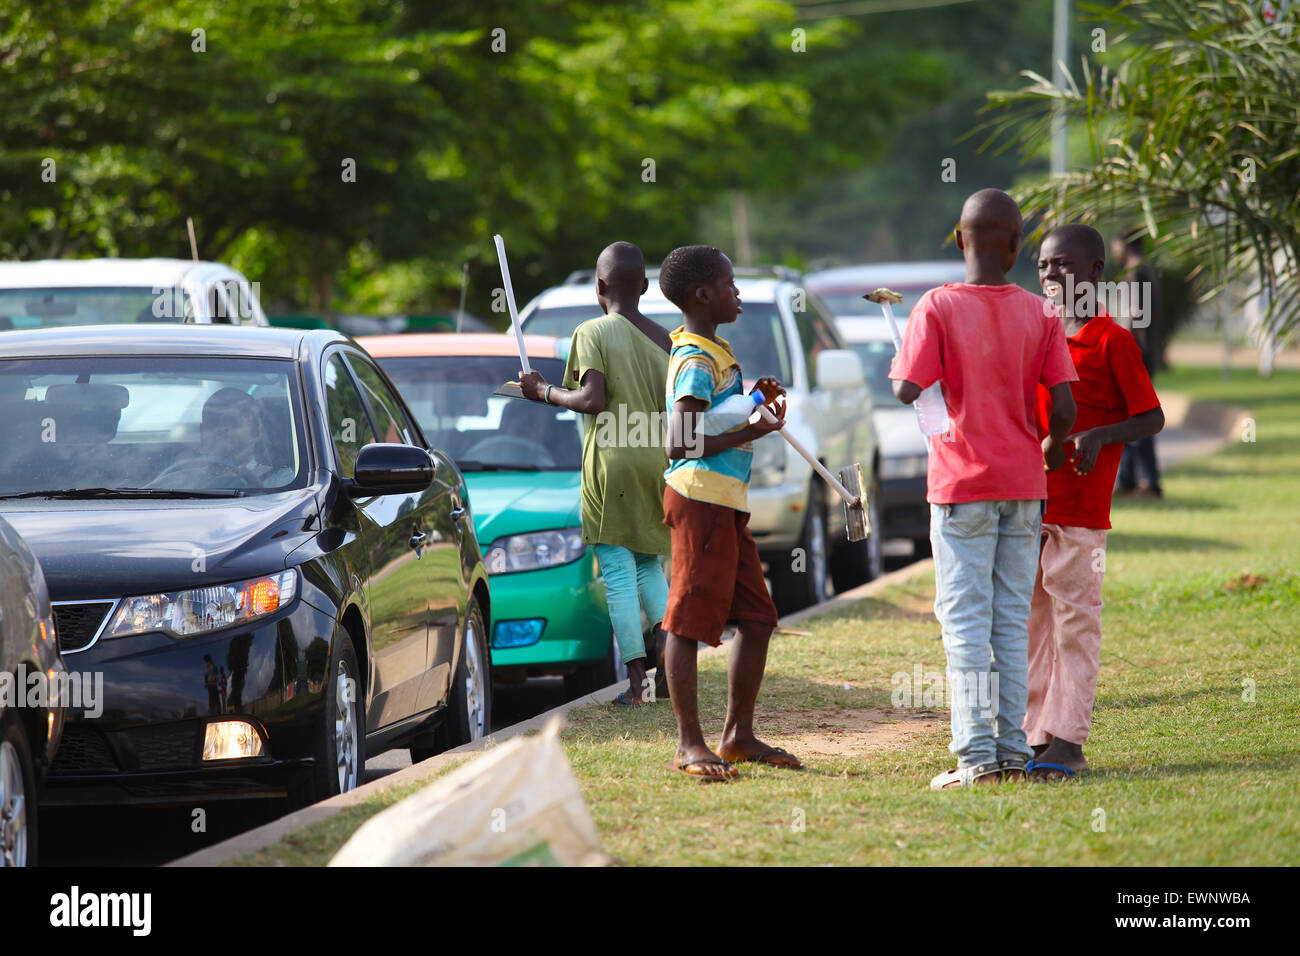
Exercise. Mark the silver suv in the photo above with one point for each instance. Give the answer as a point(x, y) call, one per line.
point(787, 332)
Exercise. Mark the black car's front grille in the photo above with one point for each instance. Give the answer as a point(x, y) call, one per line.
point(77, 623)
point(83, 751)
point(164, 748)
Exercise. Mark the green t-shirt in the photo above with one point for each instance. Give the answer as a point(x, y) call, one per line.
point(623, 458)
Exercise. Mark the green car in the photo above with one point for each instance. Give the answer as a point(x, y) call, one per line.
point(522, 463)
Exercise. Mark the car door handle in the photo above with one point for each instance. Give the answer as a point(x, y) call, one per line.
point(457, 514)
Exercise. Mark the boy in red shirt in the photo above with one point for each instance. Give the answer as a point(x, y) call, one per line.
point(992, 344)
point(1116, 404)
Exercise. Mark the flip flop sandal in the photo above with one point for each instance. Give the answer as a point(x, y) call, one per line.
point(705, 777)
point(773, 752)
point(1066, 772)
point(624, 703)
point(964, 776)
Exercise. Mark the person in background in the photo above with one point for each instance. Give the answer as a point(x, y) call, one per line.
point(1139, 471)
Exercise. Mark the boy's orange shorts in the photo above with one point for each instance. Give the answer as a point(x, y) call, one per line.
point(716, 575)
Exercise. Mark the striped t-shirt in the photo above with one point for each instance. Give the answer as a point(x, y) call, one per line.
point(706, 369)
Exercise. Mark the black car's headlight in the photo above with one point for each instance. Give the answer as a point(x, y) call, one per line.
point(531, 552)
point(200, 610)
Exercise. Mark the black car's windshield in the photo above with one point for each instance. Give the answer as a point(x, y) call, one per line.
point(876, 359)
point(36, 308)
point(145, 427)
point(451, 397)
point(755, 337)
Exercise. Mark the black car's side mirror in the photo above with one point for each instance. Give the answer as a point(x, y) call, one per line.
point(390, 469)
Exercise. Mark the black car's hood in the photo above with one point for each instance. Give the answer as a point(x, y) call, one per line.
point(110, 548)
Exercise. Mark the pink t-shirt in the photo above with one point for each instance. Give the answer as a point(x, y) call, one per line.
point(992, 346)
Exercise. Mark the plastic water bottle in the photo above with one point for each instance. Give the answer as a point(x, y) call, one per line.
point(729, 413)
point(932, 411)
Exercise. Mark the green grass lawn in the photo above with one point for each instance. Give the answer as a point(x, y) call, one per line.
point(1193, 745)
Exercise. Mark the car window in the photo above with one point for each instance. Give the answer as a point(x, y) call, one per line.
point(158, 422)
point(39, 308)
point(757, 337)
point(349, 425)
point(391, 425)
point(451, 396)
point(816, 331)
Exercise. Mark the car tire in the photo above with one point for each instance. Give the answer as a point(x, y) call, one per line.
point(17, 795)
point(857, 562)
point(589, 678)
point(793, 589)
point(921, 548)
point(469, 712)
point(341, 735)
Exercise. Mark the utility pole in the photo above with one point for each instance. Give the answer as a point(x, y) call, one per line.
point(1060, 50)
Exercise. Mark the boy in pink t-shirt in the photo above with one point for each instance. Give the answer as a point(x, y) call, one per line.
point(991, 343)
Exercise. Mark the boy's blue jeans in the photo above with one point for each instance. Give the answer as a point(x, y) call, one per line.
point(985, 560)
point(633, 582)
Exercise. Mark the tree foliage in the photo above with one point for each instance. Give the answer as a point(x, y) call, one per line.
point(542, 121)
point(1194, 132)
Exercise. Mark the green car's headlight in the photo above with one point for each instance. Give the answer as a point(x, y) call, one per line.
point(540, 549)
point(200, 610)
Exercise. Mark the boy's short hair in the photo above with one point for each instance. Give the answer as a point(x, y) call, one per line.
point(1082, 237)
point(686, 267)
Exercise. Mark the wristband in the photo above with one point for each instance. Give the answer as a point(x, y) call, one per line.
point(546, 395)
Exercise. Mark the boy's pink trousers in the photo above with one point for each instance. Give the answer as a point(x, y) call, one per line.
point(1065, 634)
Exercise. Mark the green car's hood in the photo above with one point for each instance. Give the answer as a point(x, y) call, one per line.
point(517, 502)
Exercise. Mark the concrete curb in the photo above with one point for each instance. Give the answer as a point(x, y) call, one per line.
point(253, 840)
point(1218, 423)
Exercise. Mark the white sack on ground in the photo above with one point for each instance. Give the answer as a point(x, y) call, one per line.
point(518, 804)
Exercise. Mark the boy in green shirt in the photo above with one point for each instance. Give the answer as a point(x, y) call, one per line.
point(615, 375)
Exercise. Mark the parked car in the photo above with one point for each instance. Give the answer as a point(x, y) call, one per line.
point(56, 292)
point(246, 532)
point(29, 730)
point(842, 288)
point(522, 462)
point(798, 524)
point(904, 451)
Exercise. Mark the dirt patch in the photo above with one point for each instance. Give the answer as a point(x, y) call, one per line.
point(1246, 582)
point(849, 731)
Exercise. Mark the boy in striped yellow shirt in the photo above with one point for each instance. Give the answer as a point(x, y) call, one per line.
point(716, 575)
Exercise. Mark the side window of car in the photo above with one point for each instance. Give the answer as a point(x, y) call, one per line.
point(808, 339)
point(391, 424)
point(349, 426)
point(824, 329)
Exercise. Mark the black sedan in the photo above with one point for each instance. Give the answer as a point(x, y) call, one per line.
point(32, 684)
point(246, 533)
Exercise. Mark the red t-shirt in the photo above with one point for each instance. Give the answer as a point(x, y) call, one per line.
point(991, 346)
point(1113, 385)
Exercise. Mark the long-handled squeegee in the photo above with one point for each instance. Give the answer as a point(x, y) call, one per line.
point(511, 389)
point(848, 486)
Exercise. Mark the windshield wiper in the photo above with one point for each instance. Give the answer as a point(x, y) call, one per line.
point(91, 493)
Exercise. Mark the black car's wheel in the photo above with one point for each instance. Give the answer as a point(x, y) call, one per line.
point(921, 548)
point(802, 578)
point(592, 677)
point(17, 795)
point(469, 712)
point(341, 735)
